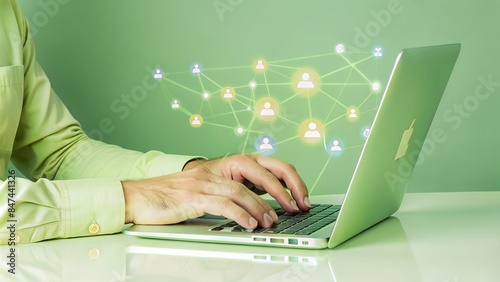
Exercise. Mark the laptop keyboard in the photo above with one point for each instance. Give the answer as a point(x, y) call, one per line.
point(302, 223)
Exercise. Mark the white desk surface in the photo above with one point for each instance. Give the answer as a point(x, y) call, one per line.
point(446, 237)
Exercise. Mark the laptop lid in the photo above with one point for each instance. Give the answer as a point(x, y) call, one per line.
point(410, 101)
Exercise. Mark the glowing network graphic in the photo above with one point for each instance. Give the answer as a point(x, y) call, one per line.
point(313, 94)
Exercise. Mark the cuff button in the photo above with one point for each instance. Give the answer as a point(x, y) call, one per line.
point(94, 228)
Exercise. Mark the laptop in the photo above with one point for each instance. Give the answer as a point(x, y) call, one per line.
point(377, 187)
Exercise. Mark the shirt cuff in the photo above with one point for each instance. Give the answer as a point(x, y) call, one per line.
point(92, 207)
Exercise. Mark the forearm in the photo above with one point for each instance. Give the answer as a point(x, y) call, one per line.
point(94, 159)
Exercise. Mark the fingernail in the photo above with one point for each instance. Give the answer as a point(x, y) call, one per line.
point(294, 205)
point(253, 222)
point(273, 215)
point(268, 221)
point(307, 202)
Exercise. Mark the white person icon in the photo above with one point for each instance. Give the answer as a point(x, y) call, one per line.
point(306, 81)
point(311, 131)
point(196, 120)
point(267, 108)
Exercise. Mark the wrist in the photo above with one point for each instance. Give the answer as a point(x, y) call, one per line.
point(127, 187)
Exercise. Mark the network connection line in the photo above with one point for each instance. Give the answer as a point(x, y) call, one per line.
point(320, 100)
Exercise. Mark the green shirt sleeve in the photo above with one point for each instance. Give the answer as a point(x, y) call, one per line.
point(73, 186)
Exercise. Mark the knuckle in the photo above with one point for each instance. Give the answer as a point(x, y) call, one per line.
point(242, 158)
point(210, 188)
point(198, 201)
point(225, 204)
point(237, 190)
point(198, 171)
point(289, 167)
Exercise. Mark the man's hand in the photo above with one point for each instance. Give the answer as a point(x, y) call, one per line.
point(226, 186)
point(261, 175)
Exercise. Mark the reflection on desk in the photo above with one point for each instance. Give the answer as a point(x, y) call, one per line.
point(433, 237)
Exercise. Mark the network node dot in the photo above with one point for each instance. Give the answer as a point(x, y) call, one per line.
point(239, 130)
point(340, 48)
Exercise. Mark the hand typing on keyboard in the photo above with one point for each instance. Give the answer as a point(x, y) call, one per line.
point(227, 186)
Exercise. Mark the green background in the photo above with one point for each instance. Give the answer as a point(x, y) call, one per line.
point(99, 56)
